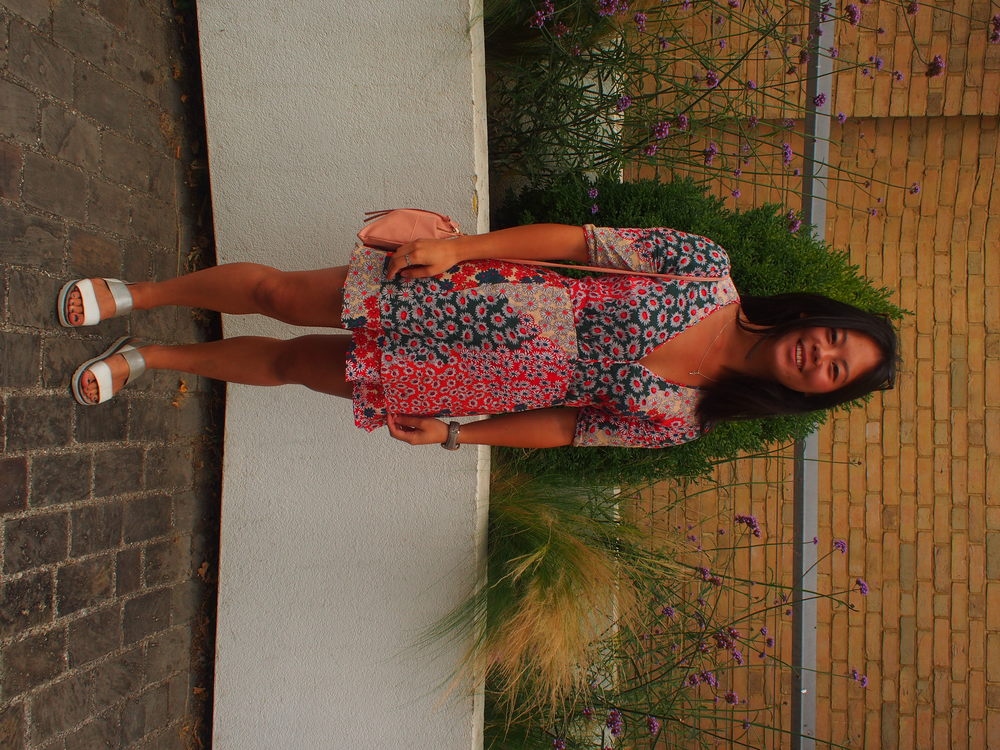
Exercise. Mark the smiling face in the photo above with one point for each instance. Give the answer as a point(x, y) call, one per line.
point(821, 360)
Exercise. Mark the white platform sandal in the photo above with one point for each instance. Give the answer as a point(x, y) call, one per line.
point(126, 347)
point(91, 310)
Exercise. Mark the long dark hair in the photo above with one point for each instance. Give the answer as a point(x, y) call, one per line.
point(744, 397)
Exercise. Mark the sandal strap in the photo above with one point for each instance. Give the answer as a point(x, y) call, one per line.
point(122, 296)
point(91, 310)
point(136, 362)
point(102, 374)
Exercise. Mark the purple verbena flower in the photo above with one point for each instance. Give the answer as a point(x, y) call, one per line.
point(732, 698)
point(711, 79)
point(710, 152)
point(722, 44)
point(834, 52)
point(878, 62)
point(594, 209)
point(640, 21)
point(862, 586)
point(650, 149)
point(614, 722)
point(652, 724)
point(840, 545)
point(623, 103)
point(936, 67)
point(864, 681)
point(855, 674)
point(841, 118)
point(819, 100)
point(788, 123)
point(736, 193)
point(853, 14)
point(914, 188)
point(897, 75)
point(751, 521)
point(786, 153)
point(664, 42)
point(559, 744)
point(763, 630)
point(588, 712)
point(683, 122)
point(912, 9)
point(751, 84)
point(560, 29)
point(668, 612)
point(793, 222)
point(661, 130)
point(592, 193)
point(745, 724)
point(770, 642)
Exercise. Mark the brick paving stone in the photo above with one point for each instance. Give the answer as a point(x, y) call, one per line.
point(70, 137)
point(24, 603)
point(146, 614)
point(146, 518)
point(102, 98)
point(168, 653)
point(12, 727)
point(84, 584)
point(92, 254)
point(19, 354)
point(169, 466)
point(62, 478)
point(108, 206)
point(13, 484)
point(36, 421)
point(104, 422)
point(38, 12)
point(82, 32)
point(99, 733)
point(167, 561)
point(62, 705)
point(94, 636)
point(118, 676)
point(38, 61)
point(19, 115)
point(54, 186)
point(30, 240)
point(118, 470)
point(96, 528)
point(33, 660)
point(129, 571)
point(11, 161)
point(61, 356)
point(32, 299)
point(33, 541)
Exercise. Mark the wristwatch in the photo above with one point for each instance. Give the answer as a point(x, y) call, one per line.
point(452, 443)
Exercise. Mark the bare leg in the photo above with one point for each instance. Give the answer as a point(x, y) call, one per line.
point(305, 298)
point(317, 362)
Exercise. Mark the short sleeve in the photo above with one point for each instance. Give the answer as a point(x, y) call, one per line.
point(656, 250)
point(597, 428)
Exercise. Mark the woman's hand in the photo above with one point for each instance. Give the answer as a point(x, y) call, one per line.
point(422, 258)
point(417, 430)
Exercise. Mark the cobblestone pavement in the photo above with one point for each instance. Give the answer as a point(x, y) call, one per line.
point(109, 514)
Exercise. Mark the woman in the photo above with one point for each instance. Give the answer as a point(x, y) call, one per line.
point(441, 328)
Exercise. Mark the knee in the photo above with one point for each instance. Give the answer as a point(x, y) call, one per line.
point(273, 293)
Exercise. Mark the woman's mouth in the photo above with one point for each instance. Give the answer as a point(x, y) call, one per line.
point(800, 355)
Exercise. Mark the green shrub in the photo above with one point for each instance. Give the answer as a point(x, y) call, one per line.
point(766, 259)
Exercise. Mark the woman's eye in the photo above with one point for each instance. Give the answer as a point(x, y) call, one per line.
point(836, 372)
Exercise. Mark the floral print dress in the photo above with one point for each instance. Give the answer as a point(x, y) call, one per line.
point(493, 337)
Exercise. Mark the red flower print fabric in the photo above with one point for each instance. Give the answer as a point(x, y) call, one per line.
point(492, 337)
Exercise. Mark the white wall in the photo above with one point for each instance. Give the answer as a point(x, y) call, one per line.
point(339, 547)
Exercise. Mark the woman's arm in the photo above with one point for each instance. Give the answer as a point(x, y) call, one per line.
point(538, 428)
point(423, 258)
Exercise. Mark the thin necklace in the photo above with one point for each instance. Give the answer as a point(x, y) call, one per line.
point(710, 346)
